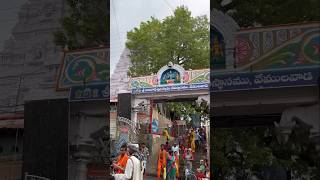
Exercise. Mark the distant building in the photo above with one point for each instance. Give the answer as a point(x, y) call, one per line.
point(119, 83)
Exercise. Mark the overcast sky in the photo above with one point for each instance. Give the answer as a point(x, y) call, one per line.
point(8, 17)
point(127, 14)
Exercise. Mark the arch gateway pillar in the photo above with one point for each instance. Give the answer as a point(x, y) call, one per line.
point(227, 27)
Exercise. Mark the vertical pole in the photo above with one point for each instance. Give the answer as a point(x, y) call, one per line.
point(151, 109)
point(69, 141)
point(208, 131)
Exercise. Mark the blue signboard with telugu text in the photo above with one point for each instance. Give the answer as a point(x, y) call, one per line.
point(179, 87)
point(265, 79)
point(87, 93)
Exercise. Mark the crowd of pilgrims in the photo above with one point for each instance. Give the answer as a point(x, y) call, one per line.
point(132, 160)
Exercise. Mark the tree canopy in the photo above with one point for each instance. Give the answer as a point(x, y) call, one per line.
point(243, 152)
point(188, 109)
point(250, 13)
point(180, 38)
point(86, 24)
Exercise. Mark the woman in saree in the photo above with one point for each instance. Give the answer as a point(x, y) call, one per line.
point(192, 139)
point(171, 166)
point(162, 157)
point(176, 156)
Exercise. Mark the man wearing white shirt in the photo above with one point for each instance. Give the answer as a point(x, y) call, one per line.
point(175, 148)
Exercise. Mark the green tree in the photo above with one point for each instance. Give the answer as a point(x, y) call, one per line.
point(257, 149)
point(187, 109)
point(180, 38)
point(86, 25)
point(265, 12)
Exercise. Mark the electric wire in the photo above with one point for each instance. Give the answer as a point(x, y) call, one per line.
point(169, 5)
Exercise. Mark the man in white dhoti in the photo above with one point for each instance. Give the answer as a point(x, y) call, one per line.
point(133, 170)
point(145, 152)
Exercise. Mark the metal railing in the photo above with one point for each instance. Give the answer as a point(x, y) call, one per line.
point(134, 129)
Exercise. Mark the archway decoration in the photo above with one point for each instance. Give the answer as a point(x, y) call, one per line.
point(218, 59)
point(266, 57)
point(83, 67)
point(171, 77)
point(278, 47)
point(222, 40)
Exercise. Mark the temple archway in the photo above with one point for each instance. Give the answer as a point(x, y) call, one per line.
point(222, 31)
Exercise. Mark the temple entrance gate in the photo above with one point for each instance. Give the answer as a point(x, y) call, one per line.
point(172, 83)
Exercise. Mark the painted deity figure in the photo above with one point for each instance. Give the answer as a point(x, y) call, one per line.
point(217, 49)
